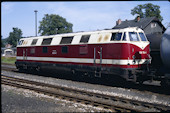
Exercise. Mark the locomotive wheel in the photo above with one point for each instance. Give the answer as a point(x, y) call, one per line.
point(37, 68)
point(141, 82)
point(20, 69)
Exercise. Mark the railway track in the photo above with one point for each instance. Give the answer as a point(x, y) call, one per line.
point(8, 67)
point(116, 104)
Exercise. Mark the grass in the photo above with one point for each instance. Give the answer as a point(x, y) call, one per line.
point(9, 60)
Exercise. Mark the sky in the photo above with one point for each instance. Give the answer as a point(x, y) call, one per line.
point(85, 16)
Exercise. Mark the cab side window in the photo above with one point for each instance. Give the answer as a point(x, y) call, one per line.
point(142, 36)
point(116, 36)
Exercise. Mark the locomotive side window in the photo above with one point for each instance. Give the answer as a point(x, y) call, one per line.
point(142, 36)
point(133, 36)
point(66, 40)
point(46, 41)
point(45, 49)
point(116, 36)
point(32, 50)
point(64, 49)
point(84, 38)
point(34, 41)
point(83, 49)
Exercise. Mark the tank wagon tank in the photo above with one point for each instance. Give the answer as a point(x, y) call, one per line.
point(165, 56)
point(116, 52)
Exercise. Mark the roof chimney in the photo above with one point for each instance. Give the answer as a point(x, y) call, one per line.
point(138, 18)
point(118, 22)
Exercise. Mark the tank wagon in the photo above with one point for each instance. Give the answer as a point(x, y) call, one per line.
point(164, 70)
point(116, 52)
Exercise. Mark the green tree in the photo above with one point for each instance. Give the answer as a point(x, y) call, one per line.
point(147, 10)
point(3, 42)
point(54, 24)
point(14, 36)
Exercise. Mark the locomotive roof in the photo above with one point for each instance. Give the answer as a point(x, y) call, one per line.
point(89, 32)
point(77, 35)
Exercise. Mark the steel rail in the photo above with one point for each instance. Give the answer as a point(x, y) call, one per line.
point(7, 68)
point(72, 98)
point(7, 64)
point(158, 107)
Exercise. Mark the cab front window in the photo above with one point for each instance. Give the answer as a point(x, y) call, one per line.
point(133, 36)
point(142, 36)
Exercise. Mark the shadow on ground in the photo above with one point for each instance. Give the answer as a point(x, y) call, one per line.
point(105, 80)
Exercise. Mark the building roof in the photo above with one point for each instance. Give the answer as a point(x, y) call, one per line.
point(143, 23)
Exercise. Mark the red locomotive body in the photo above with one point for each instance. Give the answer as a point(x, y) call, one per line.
point(117, 52)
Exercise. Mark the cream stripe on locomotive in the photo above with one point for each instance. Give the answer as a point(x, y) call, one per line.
point(86, 60)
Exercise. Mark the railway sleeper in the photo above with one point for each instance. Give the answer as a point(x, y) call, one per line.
point(134, 103)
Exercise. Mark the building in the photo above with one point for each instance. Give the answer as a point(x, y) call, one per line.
point(152, 27)
point(8, 51)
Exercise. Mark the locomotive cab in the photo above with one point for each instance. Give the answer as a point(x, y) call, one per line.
point(137, 51)
point(139, 48)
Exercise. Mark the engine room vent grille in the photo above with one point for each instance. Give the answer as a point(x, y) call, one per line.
point(46, 41)
point(66, 40)
point(84, 38)
point(34, 42)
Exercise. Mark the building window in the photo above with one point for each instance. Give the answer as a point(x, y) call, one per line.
point(116, 36)
point(153, 25)
point(85, 39)
point(45, 50)
point(64, 49)
point(46, 41)
point(66, 40)
point(34, 42)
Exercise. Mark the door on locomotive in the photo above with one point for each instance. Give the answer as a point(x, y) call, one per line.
point(98, 60)
point(136, 50)
point(25, 54)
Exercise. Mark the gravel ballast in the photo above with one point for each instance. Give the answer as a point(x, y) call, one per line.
point(134, 94)
point(20, 100)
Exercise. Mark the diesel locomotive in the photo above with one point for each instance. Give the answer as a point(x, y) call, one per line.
point(124, 53)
